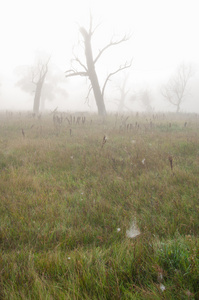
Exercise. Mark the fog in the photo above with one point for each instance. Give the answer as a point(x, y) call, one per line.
point(163, 35)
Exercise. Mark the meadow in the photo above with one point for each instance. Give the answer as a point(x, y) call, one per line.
point(99, 208)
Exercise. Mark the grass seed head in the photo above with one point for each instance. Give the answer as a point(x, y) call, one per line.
point(170, 161)
point(104, 141)
point(23, 133)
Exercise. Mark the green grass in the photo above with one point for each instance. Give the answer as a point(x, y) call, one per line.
point(67, 203)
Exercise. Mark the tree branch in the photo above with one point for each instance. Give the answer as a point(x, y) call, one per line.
point(88, 94)
point(81, 64)
point(72, 73)
point(124, 39)
point(127, 65)
point(175, 90)
point(89, 91)
point(33, 77)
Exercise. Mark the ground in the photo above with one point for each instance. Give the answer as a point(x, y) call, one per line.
point(99, 208)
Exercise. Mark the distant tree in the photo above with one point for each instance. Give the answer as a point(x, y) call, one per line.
point(54, 87)
point(146, 100)
point(88, 68)
point(175, 90)
point(123, 92)
point(38, 78)
point(143, 98)
point(42, 81)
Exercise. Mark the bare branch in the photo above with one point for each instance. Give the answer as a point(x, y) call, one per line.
point(95, 28)
point(38, 74)
point(175, 90)
point(88, 94)
point(81, 64)
point(127, 65)
point(72, 73)
point(89, 91)
point(33, 77)
point(124, 39)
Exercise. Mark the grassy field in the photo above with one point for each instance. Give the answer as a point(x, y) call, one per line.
point(96, 208)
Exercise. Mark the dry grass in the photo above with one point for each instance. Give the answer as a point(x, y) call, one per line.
point(71, 189)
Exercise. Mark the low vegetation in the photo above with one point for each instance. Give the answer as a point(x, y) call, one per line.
point(96, 208)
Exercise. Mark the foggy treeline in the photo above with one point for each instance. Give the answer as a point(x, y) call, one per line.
point(43, 85)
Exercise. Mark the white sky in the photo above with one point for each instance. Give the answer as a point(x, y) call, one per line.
point(164, 32)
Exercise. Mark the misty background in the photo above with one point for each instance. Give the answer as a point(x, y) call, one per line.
point(163, 36)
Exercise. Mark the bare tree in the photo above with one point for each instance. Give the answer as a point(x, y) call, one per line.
point(123, 92)
point(38, 77)
point(45, 81)
point(88, 69)
point(176, 88)
point(146, 100)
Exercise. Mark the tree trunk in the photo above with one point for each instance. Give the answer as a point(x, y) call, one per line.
point(37, 97)
point(97, 93)
point(92, 73)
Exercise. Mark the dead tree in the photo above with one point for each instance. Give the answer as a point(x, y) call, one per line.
point(89, 68)
point(123, 92)
point(175, 90)
point(38, 78)
point(42, 80)
point(146, 100)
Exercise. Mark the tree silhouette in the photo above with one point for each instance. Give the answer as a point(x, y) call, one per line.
point(42, 80)
point(38, 78)
point(176, 88)
point(121, 87)
point(88, 69)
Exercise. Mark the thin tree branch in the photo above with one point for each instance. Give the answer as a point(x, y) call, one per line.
point(175, 90)
point(88, 94)
point(81, 64)
point(124, 39)
point(72, 73)
point(113, 73)
point(33, 77)
point(89, 91)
